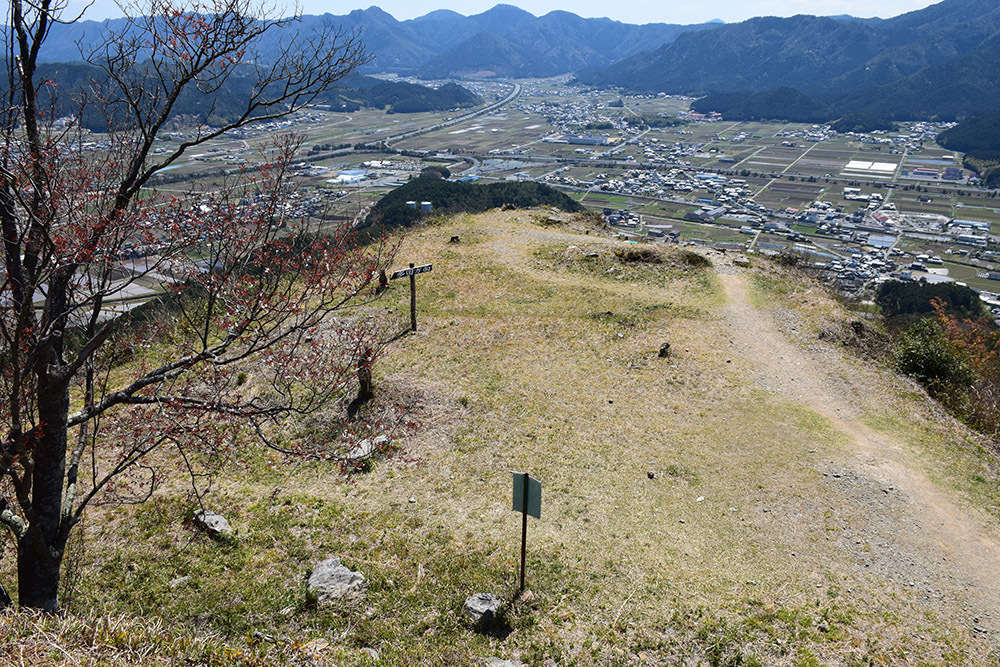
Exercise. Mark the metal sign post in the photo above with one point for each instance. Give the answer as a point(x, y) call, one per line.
point(412, 273)
point(527, 499)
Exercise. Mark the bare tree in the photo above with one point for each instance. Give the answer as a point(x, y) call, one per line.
point(243, 335)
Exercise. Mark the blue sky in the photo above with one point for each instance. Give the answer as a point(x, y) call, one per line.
point(629, 11)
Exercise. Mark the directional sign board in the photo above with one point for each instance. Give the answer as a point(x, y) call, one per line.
point(530, 501)
point(412, 271)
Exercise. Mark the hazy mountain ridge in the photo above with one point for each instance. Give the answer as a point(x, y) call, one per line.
point(755, 54)
point(504, 39)
point(939, 62)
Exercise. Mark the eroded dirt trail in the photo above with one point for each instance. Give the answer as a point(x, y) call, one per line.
point(916, 534)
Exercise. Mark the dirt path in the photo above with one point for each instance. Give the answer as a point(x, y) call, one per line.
point(914, 533)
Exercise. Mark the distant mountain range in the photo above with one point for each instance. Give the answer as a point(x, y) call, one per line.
point(940, 62)
point(503, 41)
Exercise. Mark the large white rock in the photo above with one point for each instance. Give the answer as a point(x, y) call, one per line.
point(330, 580)
point(214, 524)
point(482, 608)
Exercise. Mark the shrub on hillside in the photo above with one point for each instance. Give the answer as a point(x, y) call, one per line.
point(926, 355)
point(642, 254)
point(694, 260)
point(977, 340)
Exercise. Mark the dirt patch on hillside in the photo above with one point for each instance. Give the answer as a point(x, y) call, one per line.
point(905, 528)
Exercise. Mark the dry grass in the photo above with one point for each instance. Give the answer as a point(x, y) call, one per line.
point(536, 350)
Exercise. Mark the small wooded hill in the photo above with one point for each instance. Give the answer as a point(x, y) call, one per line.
point(399, 96)
point(979, 139)
point(446, 196)
point(908, 300)
point(70, 80)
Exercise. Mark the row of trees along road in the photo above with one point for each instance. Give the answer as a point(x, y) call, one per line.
point(95, 408)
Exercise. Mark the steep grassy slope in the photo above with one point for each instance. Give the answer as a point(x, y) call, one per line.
point(756, 498)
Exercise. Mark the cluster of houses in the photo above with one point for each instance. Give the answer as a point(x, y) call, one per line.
point(909, 140)
point(571, 117)
point(717, 188)
point(813, 133)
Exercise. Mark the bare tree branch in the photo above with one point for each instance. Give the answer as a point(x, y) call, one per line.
point(271, 301)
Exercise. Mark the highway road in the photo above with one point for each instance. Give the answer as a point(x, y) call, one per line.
point(511, 96)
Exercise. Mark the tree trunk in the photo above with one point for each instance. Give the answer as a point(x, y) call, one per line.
point(5, 600)
point(37, 575)
point(365, 392)
point(40, 551)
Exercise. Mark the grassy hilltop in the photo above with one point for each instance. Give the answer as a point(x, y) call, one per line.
point(758, 497)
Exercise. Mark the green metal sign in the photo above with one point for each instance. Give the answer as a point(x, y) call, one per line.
point(527, 494)
point(527, 500)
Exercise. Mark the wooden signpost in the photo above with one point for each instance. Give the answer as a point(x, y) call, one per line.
point(412, 273)
point(527, 499)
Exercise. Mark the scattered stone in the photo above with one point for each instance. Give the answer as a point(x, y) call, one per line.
point(412, 500)
point(372, 653)
point(482, 608)
point(179, 581)
point(316, 645)
point(454, 239)
point(683, 521)
point(664, 350)
point(367, 449)
point(360, 450)
point(330, 580)
point(527, 596)
point(651, 474)
point(214, 524)
point(699, 499)
point(495, 662)
point(264, 637)
point(741, 261)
